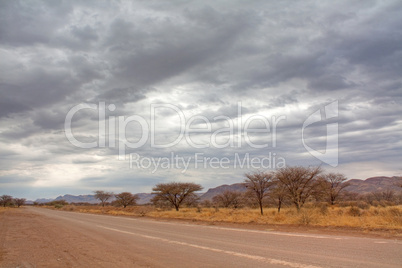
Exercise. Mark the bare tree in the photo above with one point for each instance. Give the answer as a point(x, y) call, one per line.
point(126, 199)
point(299, 182)
point(258, 184)
point(19, 201)
point(6, 200)
point(332, 185)
point(228, 199)
point(175, 192)
point(103, 196)
point(278, 194)
point(386, 195)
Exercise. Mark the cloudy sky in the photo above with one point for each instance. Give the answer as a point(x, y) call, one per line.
point(94, 93)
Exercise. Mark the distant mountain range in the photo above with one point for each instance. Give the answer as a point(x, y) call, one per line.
point(220, 189)
point(374, 184)
point(358, 186)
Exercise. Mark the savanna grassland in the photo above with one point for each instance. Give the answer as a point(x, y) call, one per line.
point(365, 218)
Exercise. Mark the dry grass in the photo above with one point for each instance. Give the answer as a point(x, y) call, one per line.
point(2, 209)
point(389, 218)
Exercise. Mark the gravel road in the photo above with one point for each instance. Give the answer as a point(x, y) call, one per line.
point(36, 237)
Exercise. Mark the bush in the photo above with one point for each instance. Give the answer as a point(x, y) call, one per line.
point(362, 205)
point(375, 203)
point(279, 217)
point(324, 209)
point(355, 212)
point(395, 212)
point(376, 212)
point(305, 218)
point(385, 203)
point(144, 210)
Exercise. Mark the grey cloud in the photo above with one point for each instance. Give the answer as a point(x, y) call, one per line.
point(26, 23)
point(16, 179)
point(203, 57)
point(49, 119)
point(125, 95)
point(87, 160)
point(86, 33)
point(9, 106)
point(330, 82)
point(154, 58)
point(283, 100)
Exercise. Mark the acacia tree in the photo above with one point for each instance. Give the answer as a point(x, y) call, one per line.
point(228, 199)
point(6, 200)
point(278, 194)
point(126, 199)
point(258, 184)
point(103, 196)
point(386, 195)
point(299, 182)
point(333, 184)
point(19, 201)
point(175, 192)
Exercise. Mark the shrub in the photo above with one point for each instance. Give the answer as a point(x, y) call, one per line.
point(396, 212)
point(376, 212)
point(354, 211)
point(279, 217)
point(144, 210)
point(324, 209)
point(375, 203)
point(362, 205)
point(305, 218)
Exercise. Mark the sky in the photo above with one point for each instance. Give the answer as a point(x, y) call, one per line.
point(122, 95)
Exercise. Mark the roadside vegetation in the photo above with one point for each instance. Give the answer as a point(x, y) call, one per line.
point(290, 196)
point(342, 215)
point(9, 201)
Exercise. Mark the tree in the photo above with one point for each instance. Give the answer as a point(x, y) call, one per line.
point(332, 185)
point(20, 201)
point(175, 192)
point(385, 195)
point(228, 199)
point(103, 196)
point(299, 182)
point(6, 200)
point(258, 184)
point(278, 194)
point(126, 199)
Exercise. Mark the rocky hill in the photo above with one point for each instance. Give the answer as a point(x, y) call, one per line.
point(220, 189)
point(374, 184)
point(78, 198)
point(145, 198)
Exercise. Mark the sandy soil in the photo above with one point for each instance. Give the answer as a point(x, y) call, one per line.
point(30, 240)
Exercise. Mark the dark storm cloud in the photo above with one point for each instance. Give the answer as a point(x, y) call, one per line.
point(122, 95)
point(25, 23)
point(175, 46)
point(276, 58)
